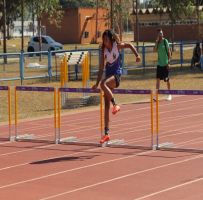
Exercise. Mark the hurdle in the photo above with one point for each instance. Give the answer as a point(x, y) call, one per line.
point(112, 144)
point(72, 59)
point(170, 146)
point(26, 137)
point(7, 88)
point(75, 58)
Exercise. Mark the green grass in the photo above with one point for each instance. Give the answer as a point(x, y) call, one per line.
point(38, 105)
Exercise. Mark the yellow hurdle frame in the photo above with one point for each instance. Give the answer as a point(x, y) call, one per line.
point(16, 111)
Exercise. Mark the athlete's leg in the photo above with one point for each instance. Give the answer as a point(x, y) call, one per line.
point(106, 114)
point(107, 85)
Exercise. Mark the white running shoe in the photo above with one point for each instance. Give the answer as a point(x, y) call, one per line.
point(169, 98)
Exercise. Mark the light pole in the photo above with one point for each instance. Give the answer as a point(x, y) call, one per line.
point(4, 31)
point(136, 25)
point(22, 25)
point(120, 20)
point(111, 14)
point(97, 10)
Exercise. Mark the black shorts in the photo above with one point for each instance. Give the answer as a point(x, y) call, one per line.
point(162, 73)
point(117, 79)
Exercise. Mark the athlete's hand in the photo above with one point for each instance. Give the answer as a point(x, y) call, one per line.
point(138, 59)
point(94, 87)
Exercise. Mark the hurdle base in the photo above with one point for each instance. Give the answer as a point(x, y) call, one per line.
point(163, 145)
point(68, 139)
point(94, 144)
point(113, 142)
point(25, 137)
point(30, 138)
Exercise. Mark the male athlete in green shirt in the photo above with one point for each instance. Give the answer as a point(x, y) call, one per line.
point(164, 55)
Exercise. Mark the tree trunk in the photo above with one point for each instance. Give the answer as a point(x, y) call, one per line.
point(4, 31)
point(172, 33)
point(137, 25)
point(112, 20)
point(22, 25)
point(120, 22)
point(33, 20)
point(40, 37)
point(8, 31)
point(96, 31)
point(198, 18)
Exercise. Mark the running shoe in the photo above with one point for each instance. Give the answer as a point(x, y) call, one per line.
point(116, 109)
point(105, 138)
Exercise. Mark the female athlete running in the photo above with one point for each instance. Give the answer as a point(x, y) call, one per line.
point(110, 61)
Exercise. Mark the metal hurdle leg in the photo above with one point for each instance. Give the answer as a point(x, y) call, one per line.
point(9, 113)
point(16, 114)
point(8, 92)
point(157, 119)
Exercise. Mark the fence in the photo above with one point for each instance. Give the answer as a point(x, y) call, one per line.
point(24, 66)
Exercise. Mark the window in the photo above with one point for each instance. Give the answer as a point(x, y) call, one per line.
point(36, 39)
point(44, 40)
point(86, 34)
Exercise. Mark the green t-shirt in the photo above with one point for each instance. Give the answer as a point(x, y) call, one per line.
point(162, 53)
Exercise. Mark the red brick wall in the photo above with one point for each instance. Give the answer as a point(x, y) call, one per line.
point(91, 26)
point(68, 32)
point(181, 32)
point(71, 26)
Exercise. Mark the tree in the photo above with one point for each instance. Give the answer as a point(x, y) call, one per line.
point(178, 9)
point(9, 11)
point(45, 8)
point(77, 3)
point(118, 13)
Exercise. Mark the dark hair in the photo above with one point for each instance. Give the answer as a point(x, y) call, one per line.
point(113, 37)
point(159, 29)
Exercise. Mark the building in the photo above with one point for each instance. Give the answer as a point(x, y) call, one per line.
point(16, 30)
point(185, 29)
point(78, 25)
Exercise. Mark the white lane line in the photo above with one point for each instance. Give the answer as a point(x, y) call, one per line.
point(79, 168)
point(74, 169)
point(170, 188)
point(193, 141)
point(122, 177)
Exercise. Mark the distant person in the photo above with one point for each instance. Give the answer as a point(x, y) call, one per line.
point(110, 62)
point(196, 55)
point(164, 56)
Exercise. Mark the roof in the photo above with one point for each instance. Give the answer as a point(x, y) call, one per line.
point(156, 10)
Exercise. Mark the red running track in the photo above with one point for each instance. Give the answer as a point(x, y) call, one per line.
point(39, 171)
